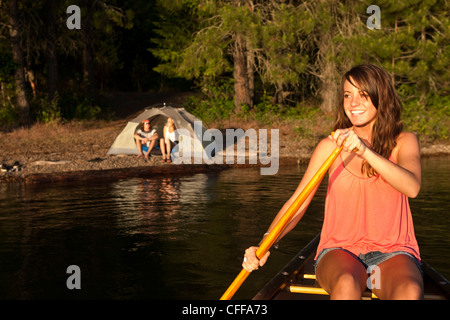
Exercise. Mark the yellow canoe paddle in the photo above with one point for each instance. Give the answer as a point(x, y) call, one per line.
point(283, 222)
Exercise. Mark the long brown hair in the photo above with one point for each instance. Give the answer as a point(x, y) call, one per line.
point(388, 125)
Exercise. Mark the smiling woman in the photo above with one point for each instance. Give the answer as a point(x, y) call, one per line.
point(366, 213)
point(369, 95)
point(370, 119)
point(358, 105)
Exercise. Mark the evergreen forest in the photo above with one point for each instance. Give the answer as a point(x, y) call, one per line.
point(239, 57)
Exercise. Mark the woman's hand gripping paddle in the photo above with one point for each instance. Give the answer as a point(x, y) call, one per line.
point(283, 222)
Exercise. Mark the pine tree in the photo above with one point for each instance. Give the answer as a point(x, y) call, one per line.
point(412, 44)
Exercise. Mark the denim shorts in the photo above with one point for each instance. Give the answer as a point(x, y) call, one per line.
point(371, 259)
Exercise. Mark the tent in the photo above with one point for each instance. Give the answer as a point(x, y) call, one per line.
point(191, 129)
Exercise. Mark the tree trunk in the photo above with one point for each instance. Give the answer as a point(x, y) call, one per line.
point(423, 83)
point(88, 50)
point(328, 75)
point(251, 75)
point(19, 76)
point(52, 61)
point(242, 94)
point(393, 55)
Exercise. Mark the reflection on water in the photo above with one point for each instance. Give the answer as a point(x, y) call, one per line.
point(171, 237)
point(147, 206)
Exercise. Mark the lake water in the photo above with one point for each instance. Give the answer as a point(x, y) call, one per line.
point(172, 238)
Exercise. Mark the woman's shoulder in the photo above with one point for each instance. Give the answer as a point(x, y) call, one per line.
point(326, 144)
point(406, 135)
point(324, 148)
point(407, 144)
point(321, 153)
point(407, 139)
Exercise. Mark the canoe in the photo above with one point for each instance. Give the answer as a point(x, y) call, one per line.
point(296, 281)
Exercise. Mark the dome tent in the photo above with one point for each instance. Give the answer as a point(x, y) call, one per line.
point(183, 120)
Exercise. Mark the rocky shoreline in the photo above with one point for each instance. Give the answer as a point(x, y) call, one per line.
point(78, 152)
point(94, 167)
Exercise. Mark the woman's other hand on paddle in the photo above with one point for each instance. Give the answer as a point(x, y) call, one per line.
point(351, 142)
point(251, 261)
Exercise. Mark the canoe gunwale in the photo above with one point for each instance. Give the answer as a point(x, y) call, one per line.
point(278, 282)
point(436, 286)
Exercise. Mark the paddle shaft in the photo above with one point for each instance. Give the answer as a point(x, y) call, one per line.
point(283, 222)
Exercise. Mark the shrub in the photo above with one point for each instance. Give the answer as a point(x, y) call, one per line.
point(429, 121)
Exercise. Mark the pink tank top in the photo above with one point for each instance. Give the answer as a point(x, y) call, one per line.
point(366, 214)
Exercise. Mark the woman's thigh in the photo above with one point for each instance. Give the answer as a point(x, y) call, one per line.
point(400, 278)
point(338, 269)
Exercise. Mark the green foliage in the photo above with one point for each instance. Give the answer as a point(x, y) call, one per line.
point(48, 111)
point(216, 105)
point(59, 59)
point(67, 106)
point(177, 21)
point(294, 51)
point(265, 106)
point(86, 110)
point(429, 122)
point(74, 106)
point(271, 31)
point(8, 116)
point(281, 34)
point(412, 44)
point(202, 61)
point(264, 111)
point(7, 66)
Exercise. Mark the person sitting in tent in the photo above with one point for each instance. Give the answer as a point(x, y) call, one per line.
point(145, 139)
point(169, 140)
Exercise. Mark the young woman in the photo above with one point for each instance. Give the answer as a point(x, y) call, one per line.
point(170, 138)
point(367, 221)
